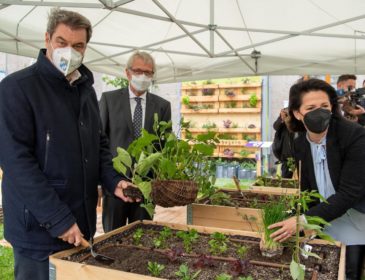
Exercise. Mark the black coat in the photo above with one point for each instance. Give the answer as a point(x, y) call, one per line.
point(52, 159)
point(116, 116)
point(345, 149)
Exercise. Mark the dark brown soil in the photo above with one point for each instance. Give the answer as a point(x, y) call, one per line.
point(134, 258)
point(133, 193)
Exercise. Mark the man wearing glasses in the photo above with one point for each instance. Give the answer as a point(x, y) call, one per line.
point(124, 112)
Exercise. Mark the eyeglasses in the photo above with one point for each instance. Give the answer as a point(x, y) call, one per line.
point(140, 72)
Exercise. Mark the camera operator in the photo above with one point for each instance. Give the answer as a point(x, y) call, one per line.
point(349, 98)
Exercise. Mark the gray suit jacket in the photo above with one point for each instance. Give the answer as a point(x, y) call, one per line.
point(116, 116)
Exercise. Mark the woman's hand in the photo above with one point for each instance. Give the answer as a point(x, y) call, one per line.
point(286, 229)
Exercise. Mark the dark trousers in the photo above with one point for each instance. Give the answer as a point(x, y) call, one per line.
point(354, 260)
point(116, 213)
point(26, 268)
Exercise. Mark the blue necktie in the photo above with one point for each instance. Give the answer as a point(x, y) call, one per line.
point(137, 118)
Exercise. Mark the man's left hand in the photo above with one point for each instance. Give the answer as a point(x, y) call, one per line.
point(119, 191)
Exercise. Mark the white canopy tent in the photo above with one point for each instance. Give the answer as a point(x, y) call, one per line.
point(200, 39)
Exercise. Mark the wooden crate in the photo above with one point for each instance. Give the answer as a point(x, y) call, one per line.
point(65, 270)
point(248, 219)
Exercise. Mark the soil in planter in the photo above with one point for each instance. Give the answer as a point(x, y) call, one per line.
point(134, 258)
point(244, 200)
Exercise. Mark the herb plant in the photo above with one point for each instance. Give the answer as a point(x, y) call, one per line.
point(184, 273)
point(188, 237)
point(155, 268)
point(218, 243)
point(137, 236)
point(272, 213)
point(223, 276)
point(241, 251)
point(253, 100)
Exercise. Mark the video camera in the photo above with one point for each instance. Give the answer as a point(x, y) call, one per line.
point(353, 97)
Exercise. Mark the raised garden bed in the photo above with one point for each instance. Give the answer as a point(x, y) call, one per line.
point(243, 213)
point(131, 258)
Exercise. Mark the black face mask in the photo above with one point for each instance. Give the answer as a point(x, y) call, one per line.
point(317, 120)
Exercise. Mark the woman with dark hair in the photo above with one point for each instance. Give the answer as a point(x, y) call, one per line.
point(332, 155)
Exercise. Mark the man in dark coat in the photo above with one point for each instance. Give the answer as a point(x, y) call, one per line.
point(53, 151)
point(124, 112)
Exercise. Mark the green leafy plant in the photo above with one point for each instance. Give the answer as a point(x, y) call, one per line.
point(290, 162)
point(209, 125)
point(137, 236)
point(188, 237)
point(184, 273)
point(167, 158)
point(221, 198)
point(161, 240)
point(231, 104)
point(155, 268)
point(271, 213)
point(117, 82)
point(186, 100)
point(253, 100)
point(314, 224)
point(218, 243)
point(244, 153)
point(223, 276)
point(241, 251)
point(235, 125)
point(245, 278)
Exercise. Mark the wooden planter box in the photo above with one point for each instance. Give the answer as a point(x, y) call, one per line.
point(63, 269)
point(247, 219)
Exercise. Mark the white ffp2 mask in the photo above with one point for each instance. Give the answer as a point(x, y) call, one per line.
point(66, 59)
point(141, 82)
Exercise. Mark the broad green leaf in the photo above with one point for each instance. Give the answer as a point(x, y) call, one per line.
point(311, 226)
point(210, 135)
point(296, 271)
point(119, 166)
point(326, 237)
point(138, 145)
point(316, 220)
point(124, 157)
point(204, 149)
point(145, 165)
point(167, 167)
point(150, 208)
point(145, 188)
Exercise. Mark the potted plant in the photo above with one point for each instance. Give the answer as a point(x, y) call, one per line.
point(253, 100)
point(227, 123)
point(272, 213)
point(167, 170)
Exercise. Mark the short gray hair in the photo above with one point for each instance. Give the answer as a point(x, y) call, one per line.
point(146, 57)
point(72, 19)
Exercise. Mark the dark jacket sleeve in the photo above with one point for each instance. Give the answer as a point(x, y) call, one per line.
point(20, 165)
point(350, 187)
point(278, 123)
